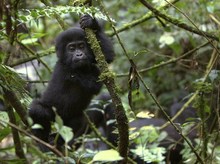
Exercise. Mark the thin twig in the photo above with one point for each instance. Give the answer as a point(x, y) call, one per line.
point(170, 61)
point(52, 148)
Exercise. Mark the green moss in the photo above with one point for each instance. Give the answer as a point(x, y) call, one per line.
point(106, 75)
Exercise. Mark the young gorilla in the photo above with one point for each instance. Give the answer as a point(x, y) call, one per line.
point(74, 81)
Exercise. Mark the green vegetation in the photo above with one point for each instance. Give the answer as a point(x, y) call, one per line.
point(166, 52)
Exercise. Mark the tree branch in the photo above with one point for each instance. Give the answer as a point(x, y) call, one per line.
point(33, 57)
point(170, 61)
point(17, 142)
point(144, 18)
point(11, 97)
point(52, 148)
point(108, 79)
point(177, 22)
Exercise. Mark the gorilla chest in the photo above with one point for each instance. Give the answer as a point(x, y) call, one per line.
point(72, 100)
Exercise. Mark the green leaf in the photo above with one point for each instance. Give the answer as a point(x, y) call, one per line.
point(107, 155)
point(23, 18)
point(29, 41)
point(33, 14)
point(213, 75)
point(210, 7)
point(66, 133)
point(38, 35)
point(4, 116)
point(153, 154)
point(11, 80)
point(166, 38)
point(37, 126)
point(59, 122)
point(148, 134)
point(4, 132)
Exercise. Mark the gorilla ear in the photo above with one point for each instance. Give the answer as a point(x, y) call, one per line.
point(60, 47)
point(59, 51)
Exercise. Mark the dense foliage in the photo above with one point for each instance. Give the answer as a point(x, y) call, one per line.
point(167, 52)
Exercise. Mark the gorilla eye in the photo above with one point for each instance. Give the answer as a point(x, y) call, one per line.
point(81, 46)
point(71, 47)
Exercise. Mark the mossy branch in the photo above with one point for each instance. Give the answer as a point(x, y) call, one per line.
point(178, 22)
point(140, 20)
point(108, 79)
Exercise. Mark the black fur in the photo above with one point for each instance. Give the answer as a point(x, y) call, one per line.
point(74, 80)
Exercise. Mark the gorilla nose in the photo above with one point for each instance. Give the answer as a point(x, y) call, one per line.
point(79, 55)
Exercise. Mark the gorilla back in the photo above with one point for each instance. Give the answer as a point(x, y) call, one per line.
point(74, 80)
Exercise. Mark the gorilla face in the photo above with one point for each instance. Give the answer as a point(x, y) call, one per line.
point(73, 50)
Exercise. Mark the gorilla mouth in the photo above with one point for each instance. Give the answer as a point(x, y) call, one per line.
point(80, 63)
